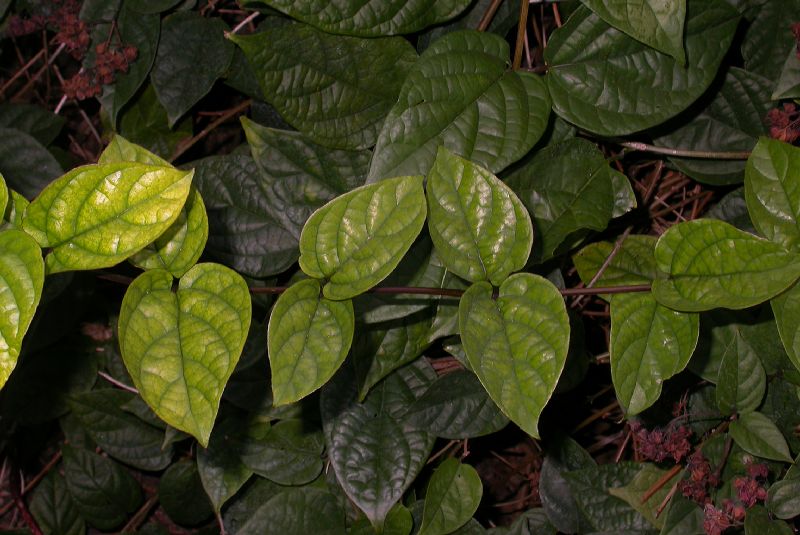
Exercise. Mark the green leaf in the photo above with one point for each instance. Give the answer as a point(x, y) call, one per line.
point(21, 282)
point(479, 227)
point(789, 81)
point(649, 344)
point(517, 344)
point(119, 433)
point(4, 196)
point(24, 162)
point(656, 23)
point(456, 406)
point(741, 380)
point(309, 337)
point(606, 82)
point(772, 191)
point(40, 123)
point(633, 263)
point(220, 467)
point(569, 188)
point(769, 37)
point(181, 347)
point(54, 509)
point(95, 216)
point(375, 453)
point(180, 493)
point(711, 264)
point(531, 522)
point(399, 521)
point(122, 150)
point(757, 434)
point(370, 18)
point(453, 495)
point(758, 522)
point(288, 453)
point(786, 308)
point(713, 125)
point(192, 54)
point(297, 511)
point(144, 121)
point(357, 239)
point(732, 208)
point(154, 6)
point(334, 89)
point(492, 116)
point(104, 492)
point(634, 491)
point(683, 517)
point(783, 498)
point(563, 455)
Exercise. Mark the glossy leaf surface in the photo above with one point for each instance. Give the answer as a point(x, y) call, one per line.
point(181, 348)
point(711, 264)
point(517, 344)
point(297, 511)
point(741, 381)
point(288, 453)
point(98, 215)
point(757, 434)
point(479, 227)
point(334, 89)
point(605, 81)
point(453, 495)
point(357, 239)
point(461, 95)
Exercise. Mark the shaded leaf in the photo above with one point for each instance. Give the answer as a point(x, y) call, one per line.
point(492, 116)
point(220, 467)
point(563, 455)
point(288, 453)
point(633, 262)
point(769, 37)
point(517, 344)
point(144, 121)
point(789, 82)
point(741, 380)
point(479, 227)
point(54, 509)
point(25, 164)
point(683, 517)
point(334, 89)
point(634, 492)
point(758, 522)
point(452, 497)
point(297, 511)
point(120, 149)
point(757, 434)
point(40, 123)
point(180, 493)
point(783, 498)
point(786, 308)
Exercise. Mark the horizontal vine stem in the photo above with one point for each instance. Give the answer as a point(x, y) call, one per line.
point(684, 153)
point(446, 292)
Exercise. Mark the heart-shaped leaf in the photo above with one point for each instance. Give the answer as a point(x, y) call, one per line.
point(334, 89)
point(98, 215)
point(308, 339)
point(21, 282)
point(479, 227)
point(517, 344)
point(709, 264)
point(605, 81)
point(357, 239)
point(180, 348)
point(492, 116)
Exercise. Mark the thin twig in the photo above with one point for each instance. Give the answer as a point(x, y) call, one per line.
point(521, 30)
point(685, 153)
point(34, 480)
point(666, 499)
point(488, 15)
point(596, 416)
point(663, 480)
point(118, 384)
point(140, 515)
point(207, 130)
point(39, 73)
point(242, 24)
point(22, 70)
point(607, 262)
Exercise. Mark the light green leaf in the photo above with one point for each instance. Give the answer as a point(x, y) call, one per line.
point(54, 509)
point(26, 165)
point(709, 264)
point(492, 116)
point(783, 498)
point(122, 150)
point(98, 215)
point(297, 511)
point(634, 491)
point(192, 54)
point(649, 344)
point(605, 81)
point(288, 453)
point(4, 195)
point(375, 453)
point(656, 23)
point(357, 239)
point(309, 337)
point(220, 467)
point(479, 227)
point(741, 380)
point(729, 119)
point(570, 188)
point(517, 344)
point(181, 348)
point(633, 263)
point(772, 191)
point(21, 283)
point(181, 495)
point(759, 522)
point(453, 495)
point(786, 308)
point(370, 18)
point(334, 89)
point(789, 81)
point(757, 434)
point(104, 492)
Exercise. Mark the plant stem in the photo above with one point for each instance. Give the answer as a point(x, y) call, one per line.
point(207, 130)
point(684, 153)
point(487, 17)
point(523, 23)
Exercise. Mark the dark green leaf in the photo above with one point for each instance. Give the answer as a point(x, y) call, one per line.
point(757, 434)
point(758, 522)
point(531, 522)
point(605, 81)
point(192, 54)
point(334, 89)
point(144, 121)
point(154, 6)
point(561, 507)
point(786, 308)
point(40, 123)
point(505, 17)
point(54, 509)
point(300, 511)
point(634, 492)
point(181, 494)
point(732, 208)
point(24, 163)
point(683, 517)
point(741, 381)
point(452, 497)
point(769, 37)
point(220, 467)
point(633, 262)
point(492, 116)
point(288, 453)
point(789, 81)
point(783, 498)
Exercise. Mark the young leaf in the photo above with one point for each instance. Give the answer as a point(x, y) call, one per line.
point(757, 434)
point(98, 215)
point(741, 381)
point(181, 348)
point(297, 511)
point(192, 54)
point(357, 239)
point(772, 191)
point(309, 337)
point(21, 283)
point(453, 495)
point(371, 18)
point(655, 23)
point(606, 82)
point(649, 344)
point(711, 264)
point(492, 116)
point(480, 229)
point(517, 344)
point(288, 453)
point(334, 89)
